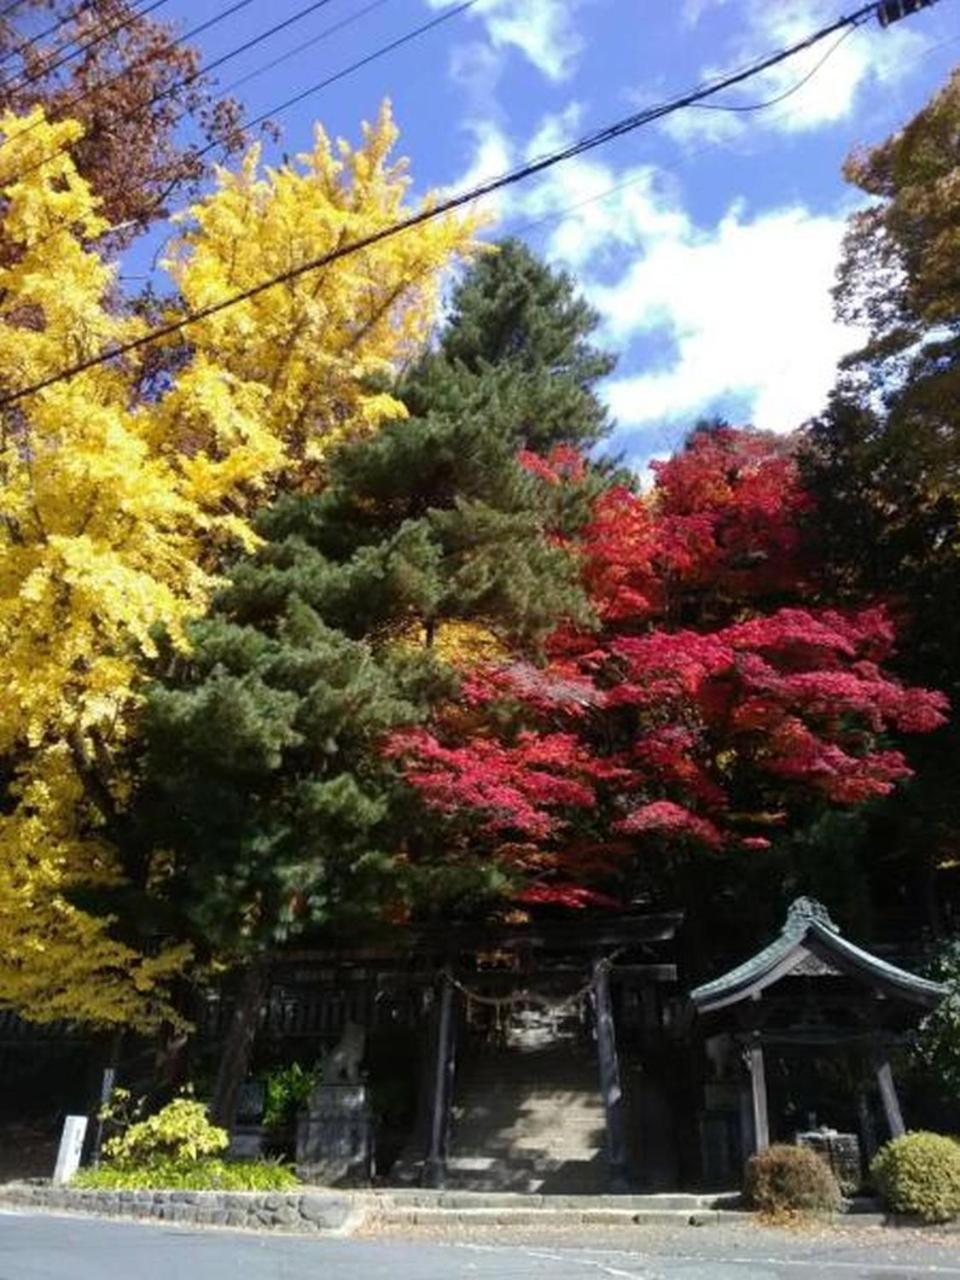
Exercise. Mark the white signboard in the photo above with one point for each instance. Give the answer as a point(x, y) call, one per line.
point(71, 1148)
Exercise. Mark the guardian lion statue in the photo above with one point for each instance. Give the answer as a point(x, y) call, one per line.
point(342, 1064)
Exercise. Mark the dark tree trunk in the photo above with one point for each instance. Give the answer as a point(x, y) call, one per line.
point(235, 1059)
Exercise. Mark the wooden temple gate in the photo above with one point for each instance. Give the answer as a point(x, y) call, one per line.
point(431, 982)
point(810, 996)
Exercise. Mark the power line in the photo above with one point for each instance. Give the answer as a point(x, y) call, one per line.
point(195, 31)
point(348, 21)
point(336, 76)
point(569, 211)
point(90, 44)
point(184, 81)
point(561, 215)
point(8, 9)
point(154, 204)
point(619, 128)
point(365, 61)
point(47, 31)
point(794, 88)
point(122, 74)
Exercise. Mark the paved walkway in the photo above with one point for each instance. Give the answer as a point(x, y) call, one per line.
point(37, 1247)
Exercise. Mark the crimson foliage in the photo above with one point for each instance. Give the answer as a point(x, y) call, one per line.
point(708, 708)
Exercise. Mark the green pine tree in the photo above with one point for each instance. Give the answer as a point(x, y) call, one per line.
point(264, 775)
point(265, 782)
point(517, 350)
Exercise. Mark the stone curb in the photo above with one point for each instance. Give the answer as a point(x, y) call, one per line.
point(566, 1217)
point(327, 1212)
point(314, 1212)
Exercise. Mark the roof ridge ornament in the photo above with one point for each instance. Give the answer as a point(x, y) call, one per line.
point(806, 911)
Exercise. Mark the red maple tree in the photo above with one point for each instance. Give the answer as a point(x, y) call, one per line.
point(709, 707)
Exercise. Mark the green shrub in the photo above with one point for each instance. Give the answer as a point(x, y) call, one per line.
point(285, 1091)
point(784, 1179)
point(919, 1174)
point(179, 1133)
point(192, 1175)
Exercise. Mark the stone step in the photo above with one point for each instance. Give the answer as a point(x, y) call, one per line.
point(672, 1201)
point(544, 1174)
point(560, 1217)
point(527, 1122)
point(570, 1216)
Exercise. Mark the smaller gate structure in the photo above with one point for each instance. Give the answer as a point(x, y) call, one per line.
point(810, 995)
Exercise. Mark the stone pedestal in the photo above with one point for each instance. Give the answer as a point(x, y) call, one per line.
point(335, 1136)
point(841, 1151)
point(248, 1137)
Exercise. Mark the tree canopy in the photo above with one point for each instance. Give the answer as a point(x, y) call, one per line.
point(429, 548)
point(120, 499)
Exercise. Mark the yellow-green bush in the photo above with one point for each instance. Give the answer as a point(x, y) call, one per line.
point(192, 1175)
point(181, 1132)
point(784, 1179)
point(175, 1149)
point(919, 1174)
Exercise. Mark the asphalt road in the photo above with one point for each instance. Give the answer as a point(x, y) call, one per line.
point(35, 1247)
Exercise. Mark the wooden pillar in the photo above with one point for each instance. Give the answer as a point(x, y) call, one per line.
point(758, 1094)
point(865, 1121)
point(238, 1046)
point(434, 1169)
point(888, 1093)
point(610, 1087)
point(868, 1133)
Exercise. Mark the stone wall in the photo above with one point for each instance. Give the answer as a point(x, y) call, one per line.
point(303, 1211)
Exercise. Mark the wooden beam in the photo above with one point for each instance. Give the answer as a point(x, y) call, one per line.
point(868, 1131)
point(434, 1170)
point(611, 1089)
point(434, 941)
point(758, 1096)
point(888, 1093)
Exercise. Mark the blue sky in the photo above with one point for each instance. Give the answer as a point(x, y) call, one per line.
point(708, 243)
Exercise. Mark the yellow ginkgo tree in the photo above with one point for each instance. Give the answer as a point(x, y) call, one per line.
point(120, 492)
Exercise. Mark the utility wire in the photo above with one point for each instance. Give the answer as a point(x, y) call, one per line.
point(89, 44)
point(570, 210)
point(306, 44)
point(221, 16)
point(47, 31)
point(591, 141)
point(158, 200)
point(365, 61)
point(794, 88)
point(273, 111)
point(8, 9)
point(561, 215)
point(207, 67)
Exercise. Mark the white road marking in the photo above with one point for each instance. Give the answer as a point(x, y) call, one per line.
point(571, 1255)
point(877, 1267)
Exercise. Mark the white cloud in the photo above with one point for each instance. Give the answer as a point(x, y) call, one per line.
point(543, 30)
point(747, 306)
point(477, 68)
point(492, 155)
point(865, 57)
point(742, 308)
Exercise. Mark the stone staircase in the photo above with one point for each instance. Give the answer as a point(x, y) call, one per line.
point(528, 1121)
point(462, 1210)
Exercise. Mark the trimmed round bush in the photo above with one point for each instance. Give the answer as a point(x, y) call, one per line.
point(919, 1174)
point(785, 1179)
